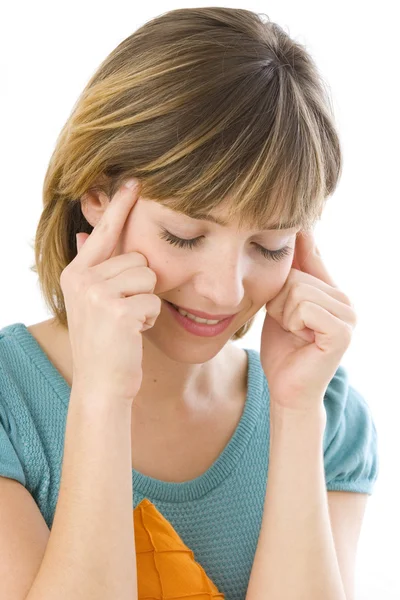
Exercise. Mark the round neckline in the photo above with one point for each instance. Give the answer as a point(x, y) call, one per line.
point(144, 484)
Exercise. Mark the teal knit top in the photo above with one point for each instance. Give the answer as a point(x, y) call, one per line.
point(218, 514)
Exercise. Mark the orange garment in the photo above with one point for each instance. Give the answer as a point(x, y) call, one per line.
point(166, 567)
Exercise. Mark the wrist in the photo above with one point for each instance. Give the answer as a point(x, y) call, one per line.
point(297, 433)
point(282, 415)
point(98, 401)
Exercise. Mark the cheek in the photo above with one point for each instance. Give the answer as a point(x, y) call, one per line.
point(169, 272)
point(265, 289)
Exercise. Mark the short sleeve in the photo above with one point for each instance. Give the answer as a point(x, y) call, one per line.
point(10, 464)
point(350, 439)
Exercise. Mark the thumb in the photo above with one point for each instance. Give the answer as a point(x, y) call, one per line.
point(80, 240)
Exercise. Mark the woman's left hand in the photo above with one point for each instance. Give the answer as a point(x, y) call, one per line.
point(307, 329)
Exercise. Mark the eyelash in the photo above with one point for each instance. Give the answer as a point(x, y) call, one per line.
point(275, 255)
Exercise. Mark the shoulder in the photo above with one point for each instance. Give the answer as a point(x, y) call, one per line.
point(350, 438)
point(11, 451)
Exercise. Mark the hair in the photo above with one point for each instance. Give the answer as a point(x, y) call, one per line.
point(199, 104)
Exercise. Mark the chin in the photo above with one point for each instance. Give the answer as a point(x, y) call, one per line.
point(192, 350)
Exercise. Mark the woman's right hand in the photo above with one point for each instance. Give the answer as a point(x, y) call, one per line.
point(109, 303)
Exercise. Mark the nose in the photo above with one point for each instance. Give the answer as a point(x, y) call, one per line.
point(220, 282)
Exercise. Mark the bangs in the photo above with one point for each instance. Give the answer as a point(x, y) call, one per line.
point(258, 149)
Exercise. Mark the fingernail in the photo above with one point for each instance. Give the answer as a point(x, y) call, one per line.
point(131, 183)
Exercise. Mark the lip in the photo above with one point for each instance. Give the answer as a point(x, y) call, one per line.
point(203, 315)
point(199, 329)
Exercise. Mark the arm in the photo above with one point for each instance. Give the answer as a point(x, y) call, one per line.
point(91, 553)
point(295, 557)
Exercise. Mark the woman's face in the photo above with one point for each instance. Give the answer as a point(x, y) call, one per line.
point(224, 273)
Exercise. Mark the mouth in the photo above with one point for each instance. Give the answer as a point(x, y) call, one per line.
point(203, 328)
point(201, 314)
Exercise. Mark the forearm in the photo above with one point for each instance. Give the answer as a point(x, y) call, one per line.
point(91, 549)
point(295, 557)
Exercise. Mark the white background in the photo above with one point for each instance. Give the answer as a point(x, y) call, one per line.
point(48, 52)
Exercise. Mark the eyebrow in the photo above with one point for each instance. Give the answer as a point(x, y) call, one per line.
point(223, 223)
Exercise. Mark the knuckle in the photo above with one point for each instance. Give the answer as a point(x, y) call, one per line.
point(69, 278)
point(297, 291)
point(94, 293)
point(121, 311)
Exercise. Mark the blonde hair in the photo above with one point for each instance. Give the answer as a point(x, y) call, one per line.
point(198, 104)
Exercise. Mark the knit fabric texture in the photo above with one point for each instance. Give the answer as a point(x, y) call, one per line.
point(217, 516)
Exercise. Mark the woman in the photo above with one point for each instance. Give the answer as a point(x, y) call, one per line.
point(241, 466)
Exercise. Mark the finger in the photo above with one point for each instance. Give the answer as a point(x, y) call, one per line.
point(276, 305)
point(305, 292)
point(330, 332)
point(101, 243)
point(307, 258)
point(120, 263)
point(80, 240)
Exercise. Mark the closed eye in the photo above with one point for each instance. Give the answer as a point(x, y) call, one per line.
point(275, 255)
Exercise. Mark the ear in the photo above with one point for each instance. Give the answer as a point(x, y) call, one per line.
point(93, 205)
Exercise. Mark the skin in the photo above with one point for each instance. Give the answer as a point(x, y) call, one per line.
point(225, 273)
